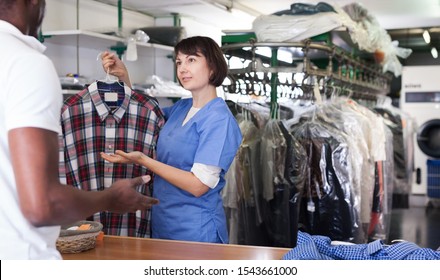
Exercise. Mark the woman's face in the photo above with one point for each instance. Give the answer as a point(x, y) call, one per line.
point(192, 71)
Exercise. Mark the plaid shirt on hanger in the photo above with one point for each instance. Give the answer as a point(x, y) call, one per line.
point(90, 126)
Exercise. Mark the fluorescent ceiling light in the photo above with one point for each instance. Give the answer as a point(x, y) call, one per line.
point(426, 36)
point(434, 52)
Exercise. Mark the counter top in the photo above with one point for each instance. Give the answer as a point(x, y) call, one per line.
point(131, 248)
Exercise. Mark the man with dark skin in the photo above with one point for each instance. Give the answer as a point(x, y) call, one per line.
point(33, 202)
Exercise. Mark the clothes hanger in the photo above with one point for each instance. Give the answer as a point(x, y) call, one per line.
point(112, 91)
point(108, 79)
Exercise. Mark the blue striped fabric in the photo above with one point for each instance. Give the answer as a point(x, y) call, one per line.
point(317, 247)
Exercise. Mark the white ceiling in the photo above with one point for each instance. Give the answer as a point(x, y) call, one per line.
point(391, 14)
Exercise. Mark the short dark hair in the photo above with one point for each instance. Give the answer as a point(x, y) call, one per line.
point(212, 52)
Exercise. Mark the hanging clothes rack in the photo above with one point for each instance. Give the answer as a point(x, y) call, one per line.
point(337, 68)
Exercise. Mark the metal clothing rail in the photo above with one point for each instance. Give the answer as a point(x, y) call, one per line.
point(317, 64)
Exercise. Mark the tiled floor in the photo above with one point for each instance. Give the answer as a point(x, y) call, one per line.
point(419, 223)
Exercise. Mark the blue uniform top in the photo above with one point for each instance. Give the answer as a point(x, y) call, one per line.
point(212, 136)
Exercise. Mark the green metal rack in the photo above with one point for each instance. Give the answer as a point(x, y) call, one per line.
point(330, 58)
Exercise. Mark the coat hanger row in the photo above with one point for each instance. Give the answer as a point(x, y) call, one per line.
point(334, 64)
point(297, 86)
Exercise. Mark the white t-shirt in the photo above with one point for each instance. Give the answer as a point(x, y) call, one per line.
point(30, 97)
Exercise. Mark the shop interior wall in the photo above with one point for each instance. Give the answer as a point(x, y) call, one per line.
point(77, 58)
point(82, 59)
point(92, 15)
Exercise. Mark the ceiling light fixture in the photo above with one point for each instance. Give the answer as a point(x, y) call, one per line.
point(426, 36)
point(230, 5)
point(434, 52)
point(239, 12)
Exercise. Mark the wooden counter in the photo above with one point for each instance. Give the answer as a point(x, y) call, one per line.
point(130, 248)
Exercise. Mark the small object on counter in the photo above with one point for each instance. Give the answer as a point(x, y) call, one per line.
point(85, 227)
point(100, 236)
point(73, 228)
point(79, 240)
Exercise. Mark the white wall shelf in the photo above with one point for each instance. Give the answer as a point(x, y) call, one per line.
point(93, 40)
point(76, 51)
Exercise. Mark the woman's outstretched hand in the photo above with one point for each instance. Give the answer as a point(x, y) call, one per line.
point(123, 157)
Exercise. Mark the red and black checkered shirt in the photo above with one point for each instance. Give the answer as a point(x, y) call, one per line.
point(90, 126)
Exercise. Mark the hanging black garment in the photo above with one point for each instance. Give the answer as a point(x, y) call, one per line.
point(242, 195)
point(251, 228)
point(275, 194)
point(294, 173)
point(326, 204)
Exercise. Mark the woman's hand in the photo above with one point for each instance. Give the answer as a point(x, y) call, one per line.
point(123, 157)
point(114, 66)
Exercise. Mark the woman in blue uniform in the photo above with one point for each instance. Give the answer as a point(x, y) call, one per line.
point(195, 148)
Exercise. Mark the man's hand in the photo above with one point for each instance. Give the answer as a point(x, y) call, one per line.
point(125, 197)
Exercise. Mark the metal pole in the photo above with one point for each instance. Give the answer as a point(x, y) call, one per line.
point(273, 85)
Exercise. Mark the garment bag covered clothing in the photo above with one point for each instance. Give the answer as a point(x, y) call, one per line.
point(328, 153)
point(394, 122)
point(210, 137)
point(241, 194)
point(30, 97)
point(279, 202)
point(91, 125)
point(265, 181)
point(328, 205)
